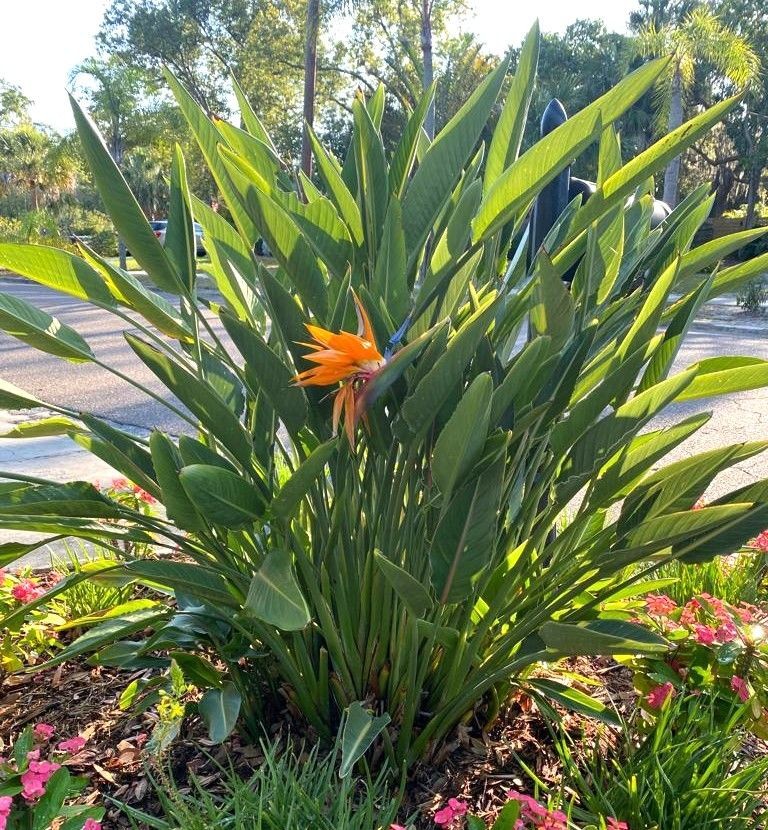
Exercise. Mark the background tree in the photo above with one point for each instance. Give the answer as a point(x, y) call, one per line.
point(14, 105)
point(700, 37)
point(748, 128)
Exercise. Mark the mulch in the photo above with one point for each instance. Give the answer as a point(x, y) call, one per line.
point(478, 766)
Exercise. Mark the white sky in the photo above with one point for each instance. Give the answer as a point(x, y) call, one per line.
point(41, 40)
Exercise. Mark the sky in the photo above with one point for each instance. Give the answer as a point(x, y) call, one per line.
point(44, 39)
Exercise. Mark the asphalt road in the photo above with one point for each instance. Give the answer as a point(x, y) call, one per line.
point(84, 386)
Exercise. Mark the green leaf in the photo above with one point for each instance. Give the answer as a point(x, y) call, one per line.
point(40, 330)
point(209, 139)
point(121, 205)
point(441, 167)
point(184, 577)
point(56, 269)
point(371, 175)
point(345, 202)
point(390, 278)
point(729, 279)
point(413, 594)
point(539, 165)
point(197, 670)
point(168, 464)
point(405, 152)
point(287, 501)
point(11, 551)
point(361, 729)
point(422, 406)
point(11, 397)
point(233, 270)
point(43, 428)
point(724, 376)
point(463, 437)
point(508, 135)
point(222, 497)
point(574, 700)
point(197, 396)
point(269, 374)
point(601, 637)
point(220, 708)
point(507, 820)
point(78, 499)
point(552, 312)
point(180, 242)
point(706, 255)
point(274, 595)
point(129, 291)
point(463, 544)
point(49, 806)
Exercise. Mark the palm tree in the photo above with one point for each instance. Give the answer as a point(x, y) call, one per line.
point(700, 37)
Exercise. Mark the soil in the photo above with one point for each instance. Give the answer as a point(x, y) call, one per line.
point(78, 699)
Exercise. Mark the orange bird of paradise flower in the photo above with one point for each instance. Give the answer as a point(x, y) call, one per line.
point(345, 358)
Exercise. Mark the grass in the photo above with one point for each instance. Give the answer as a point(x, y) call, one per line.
point(287, 791)
point(687, 772)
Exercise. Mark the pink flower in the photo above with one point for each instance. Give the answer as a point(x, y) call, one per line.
point(26, 590)
point(688, 617)
point(746, 612)
point(92, 824)
point(705, 634)
point(391, 827)
point(6, 802)
point(659, 605)
point(72, 745)
point(612, 823)
point(444, 817)
point(35, 778)
point(120, 483)
point(2, 579)
point(727, 632)
point(761, 543)
point(454, 809)
point(459, 807)
point(738, 684)
point(44, 731)
point(33, 755)
point(657, 697)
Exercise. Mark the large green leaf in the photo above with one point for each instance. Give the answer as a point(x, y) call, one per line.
point(267, 373)
point(361, 729)
point(463, 437)
point(724, 376)
point(220, 708)
point(405, 153)
point(287, 501)
point(508, 135)
point(79, 499)
point(233, 269)
point(130, 292)
point(197, 396)
point(414, 595)
point(180, 242)
point(56, 269)
point(422, 406)
point(168, 465)
point(463, 544)
point(372, 175)
point(574, 700)
point(42, 331)
point(439, 170)
point(274, 595)
point(122, 206)
point(602, 637)
point(222, 497)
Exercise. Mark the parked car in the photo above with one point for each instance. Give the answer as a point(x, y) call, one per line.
point(160, 226)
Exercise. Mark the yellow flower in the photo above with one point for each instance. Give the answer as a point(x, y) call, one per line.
point(345, 358)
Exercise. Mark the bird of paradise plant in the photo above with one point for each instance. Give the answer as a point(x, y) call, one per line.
point(407, 586)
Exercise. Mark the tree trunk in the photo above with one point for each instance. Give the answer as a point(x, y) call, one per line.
point(672, 173)
point(752, 193)
point(428, 72)
point(310, 79)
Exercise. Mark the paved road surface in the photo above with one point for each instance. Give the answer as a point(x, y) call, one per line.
point(86, 387)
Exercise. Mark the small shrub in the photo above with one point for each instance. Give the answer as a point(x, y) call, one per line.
point(104, 243)
point(36, 787)
point(689, 771)
point(753, 296)
point(35, 636)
